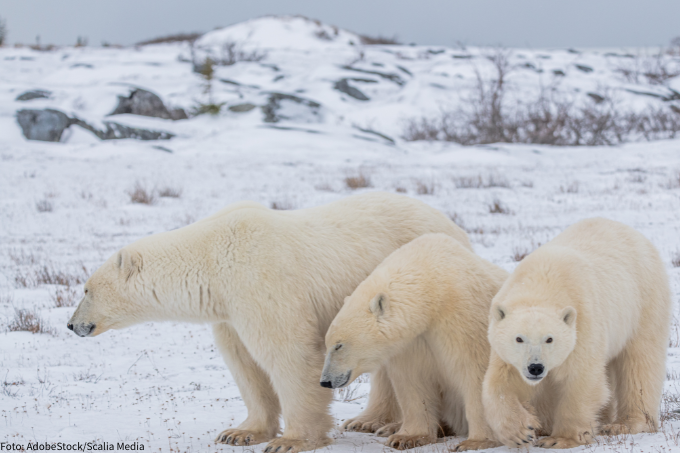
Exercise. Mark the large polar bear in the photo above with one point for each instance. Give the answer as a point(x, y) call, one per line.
point(430, 297)
point(588, 311)
point(270, 282)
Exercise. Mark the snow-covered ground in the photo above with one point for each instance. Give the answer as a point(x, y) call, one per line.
point(65, 207)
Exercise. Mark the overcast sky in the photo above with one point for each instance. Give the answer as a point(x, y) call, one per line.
point(513, 23)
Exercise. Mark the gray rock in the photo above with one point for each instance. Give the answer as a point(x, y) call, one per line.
point(385, 75)
point(45, 125)
point(343, 86)
point(145, 103)
point(584, 68)
point(33, 94)
point(281, 106)
point(48, 125)
point(241, 108)
point(596, 97)
point(559, 72)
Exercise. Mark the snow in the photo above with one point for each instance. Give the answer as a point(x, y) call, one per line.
point(164, 384)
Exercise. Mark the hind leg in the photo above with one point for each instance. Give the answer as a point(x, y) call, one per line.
point(262, 423)
point(382, 408)
point(639, 371)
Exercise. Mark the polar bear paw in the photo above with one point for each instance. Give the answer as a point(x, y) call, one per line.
point(404, 442)
point(287, 445)
point(388, 430)
point(475, 445)
point(362, 425)
point(518, 431)
point(242, 437)
point(559, 442)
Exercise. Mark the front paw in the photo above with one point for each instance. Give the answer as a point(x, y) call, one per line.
point(362, 426)
point(388, 430)
point(404, 442)
point(518, 430)
point(287, 445)
point(242, 437)
point(560, 442)
point(475, 445)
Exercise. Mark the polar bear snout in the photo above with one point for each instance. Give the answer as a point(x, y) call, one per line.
point(82, 330)
point(536, 370)
point(330, 381)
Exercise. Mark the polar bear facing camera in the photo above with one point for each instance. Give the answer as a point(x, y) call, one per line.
point(578, 336)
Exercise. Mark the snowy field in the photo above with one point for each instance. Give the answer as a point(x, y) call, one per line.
point(65, 207)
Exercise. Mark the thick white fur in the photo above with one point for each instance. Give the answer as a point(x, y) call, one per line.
point(600, 291)
point(271, 282)
point(422, 314)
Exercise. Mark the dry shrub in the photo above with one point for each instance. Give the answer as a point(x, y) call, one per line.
point(65, 297)
point(232, 53)
point(282, 205)
point(521, 252)
point(44, 205)
point(178, 37)
point(425, 188)
point(141, 194)
point(675, 260)
point(49, 275)
point(572, 187)
point(400, 189)
point(481, 181)
point(29, 321)
point(379, 40)
point(551, 119)
point(673, 182)
point(170, 192)
point(359, 181)
point(498, 207)
point(654, 69)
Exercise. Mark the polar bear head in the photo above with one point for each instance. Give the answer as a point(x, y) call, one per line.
point(376, 322)
point(533, 339)
point(109, 301)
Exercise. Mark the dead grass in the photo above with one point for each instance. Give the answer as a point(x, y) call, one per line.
point(425, 187)
point(498, 207)
point(481, 181)
point(282, 205)
point(170, 192)
point(65, 297)
point(29, 321)
point(572, 187)
point(233, 52)
point(673, 182)
point(48, 274)
point(379, 40)
point(177, 37)
point(44, 205)
point(358, 181)
point(140, 194)
point(675, 260)
point(654, 69)
point(521, 252)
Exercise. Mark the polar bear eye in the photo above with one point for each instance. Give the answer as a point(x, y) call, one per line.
point(549, 340)
point(519, 340)
point(85, 290)
point(338, 346)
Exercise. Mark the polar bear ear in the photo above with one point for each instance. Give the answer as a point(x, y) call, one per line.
point(569, 316)
point(127, 263)
point(497, 312)
point(379, 304)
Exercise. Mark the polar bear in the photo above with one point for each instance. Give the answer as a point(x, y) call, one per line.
point(431, 296)
point(586, 312)
point(270, 282)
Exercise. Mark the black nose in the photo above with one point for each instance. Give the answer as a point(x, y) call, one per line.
point(535, 369)
point(326, 384)
point(70, 326)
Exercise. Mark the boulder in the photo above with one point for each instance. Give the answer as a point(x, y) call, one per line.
point(343, 86)
point(45, 125)
point(33, 94)
point(281, 106)
point(145, 103)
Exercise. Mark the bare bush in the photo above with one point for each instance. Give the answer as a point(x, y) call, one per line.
point(359, 181)
point(141, 194)
point(497, 207)
point(170, 192)
point(551, 119)
point(232, 53)
point(177, 37)
point(379, 40)
point(29, 321)
point(425, 187)
point(65, 297)
point(3, 32)
point(44, 205)
point(481, 181)
point(675, 260)
point(654, 69)
point(282, 205)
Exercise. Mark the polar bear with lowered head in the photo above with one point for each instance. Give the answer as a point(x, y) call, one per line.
point(270, 282)
point(431, 297)
point(578, 336)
